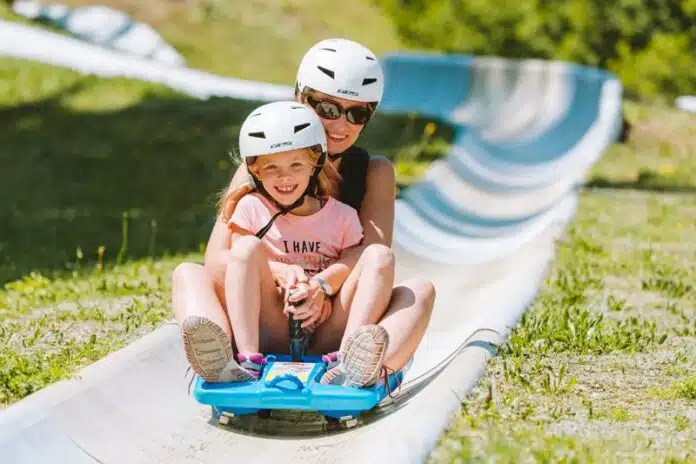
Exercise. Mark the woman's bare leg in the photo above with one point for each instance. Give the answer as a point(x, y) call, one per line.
point(405, 313)
point(204, 326)
point(406, 320)
point(362, 300)
point(193, 294)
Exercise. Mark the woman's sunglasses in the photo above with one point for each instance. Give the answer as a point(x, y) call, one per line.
point(330, 110)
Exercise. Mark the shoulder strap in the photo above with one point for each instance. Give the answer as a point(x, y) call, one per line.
point(353, 171)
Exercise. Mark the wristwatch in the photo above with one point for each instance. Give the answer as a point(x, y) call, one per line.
point(326, 288)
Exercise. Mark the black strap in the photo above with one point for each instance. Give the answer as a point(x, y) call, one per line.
point(264, 230)
point(353, 171)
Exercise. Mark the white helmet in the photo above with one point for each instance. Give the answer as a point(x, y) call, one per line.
point(342, 68)
point(280, 126)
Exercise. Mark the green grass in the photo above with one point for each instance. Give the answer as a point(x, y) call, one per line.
point(600, 369)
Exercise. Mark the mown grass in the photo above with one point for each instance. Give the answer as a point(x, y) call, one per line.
point(600, 369)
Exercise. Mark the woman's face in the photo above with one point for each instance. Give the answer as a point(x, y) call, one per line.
point(340, 134)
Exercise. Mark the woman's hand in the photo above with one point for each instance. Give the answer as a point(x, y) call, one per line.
point(232, 198)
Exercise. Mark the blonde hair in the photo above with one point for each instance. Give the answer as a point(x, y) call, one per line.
point(328, 181)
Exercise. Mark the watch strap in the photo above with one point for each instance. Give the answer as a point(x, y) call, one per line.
point(326, 288)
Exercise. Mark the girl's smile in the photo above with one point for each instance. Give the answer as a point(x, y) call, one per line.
point(285, 176)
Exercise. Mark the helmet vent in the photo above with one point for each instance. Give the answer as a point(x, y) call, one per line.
point(299, 127)
point(255, 114)
point(328, 49)
point(297, 107)
point(258, 135)
point(328, 72)
point(369, 58)
point(369, 80)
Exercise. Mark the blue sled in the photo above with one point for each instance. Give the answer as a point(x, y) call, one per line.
point(292, 386)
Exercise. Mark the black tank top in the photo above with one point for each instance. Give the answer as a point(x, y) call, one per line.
point(353, 171)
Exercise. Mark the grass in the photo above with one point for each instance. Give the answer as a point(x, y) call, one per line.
point(600, 369)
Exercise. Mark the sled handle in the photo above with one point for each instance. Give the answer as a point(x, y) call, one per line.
point(298, 338)
point(287, 376)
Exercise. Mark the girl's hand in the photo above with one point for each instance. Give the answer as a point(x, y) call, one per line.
point(310, 311)
point(288, 275)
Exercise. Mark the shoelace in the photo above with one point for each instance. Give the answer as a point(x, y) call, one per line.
point(188, 389)
point(385, 375)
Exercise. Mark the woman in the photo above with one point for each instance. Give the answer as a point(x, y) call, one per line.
point(342, 81)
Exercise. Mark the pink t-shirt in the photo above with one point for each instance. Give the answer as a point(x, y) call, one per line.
point(313, 242)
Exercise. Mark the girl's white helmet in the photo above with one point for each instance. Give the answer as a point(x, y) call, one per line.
point(280, 126)
point(342, 68)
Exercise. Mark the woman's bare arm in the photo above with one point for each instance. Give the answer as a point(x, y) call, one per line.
point(220, 238)
point(376, 217)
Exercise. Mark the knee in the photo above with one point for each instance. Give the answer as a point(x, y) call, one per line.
point(244, 249)
point(423, 293)
point(379, 257)
point(184, 272)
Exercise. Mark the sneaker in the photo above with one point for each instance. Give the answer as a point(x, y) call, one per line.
point(360, 358)
point(209, 351)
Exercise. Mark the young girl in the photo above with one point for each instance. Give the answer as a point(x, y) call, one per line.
point(292, 219)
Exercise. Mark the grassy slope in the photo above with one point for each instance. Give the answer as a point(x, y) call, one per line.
point(257, 39)
point(601, 369)
point(620, 388)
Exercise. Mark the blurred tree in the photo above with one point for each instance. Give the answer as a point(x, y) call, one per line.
point(650, 44)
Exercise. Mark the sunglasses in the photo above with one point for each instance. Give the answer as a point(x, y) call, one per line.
point(330, 110)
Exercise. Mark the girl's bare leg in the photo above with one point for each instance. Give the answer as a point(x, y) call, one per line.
point(254, 305)
point(198, 305)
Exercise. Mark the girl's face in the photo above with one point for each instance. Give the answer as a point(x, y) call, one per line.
point(340, 133)
point(285, 176)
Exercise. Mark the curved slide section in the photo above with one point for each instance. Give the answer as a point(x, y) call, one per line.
point(526, 134)
point(481, 225)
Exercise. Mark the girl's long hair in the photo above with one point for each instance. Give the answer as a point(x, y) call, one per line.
point(328, 182)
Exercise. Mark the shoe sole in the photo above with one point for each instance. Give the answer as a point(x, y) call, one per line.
point(362, 355)
point(209, 351)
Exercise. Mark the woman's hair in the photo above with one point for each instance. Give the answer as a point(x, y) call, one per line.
point(328, 181)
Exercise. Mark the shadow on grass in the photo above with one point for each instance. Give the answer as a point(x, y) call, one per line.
point(643, 183)
point(67, 177)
